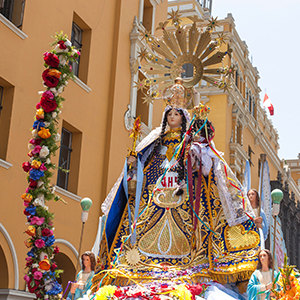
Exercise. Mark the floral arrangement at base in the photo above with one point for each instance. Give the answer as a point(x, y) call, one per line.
point(42, 274)
point(288, 286)
point(153, 291)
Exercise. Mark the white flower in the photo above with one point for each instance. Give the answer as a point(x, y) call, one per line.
point(66, 83)
point(46, 207)
point(58, 50)
point(54, 115)
point(44, 152)
point(57, 137)
point(59, 111)
point(53, 189)
point(32, 158)
point(46, 297)
point(30, 146)
point(40, 183)
point(35, 265)
point(34, 133)
point(47, 124)
point(65, 75)
point(60, 89)
point(53, 90)
point(40, 200)
point(68, 43)
point(48, 161)
point(43, 255)
point(62, 60)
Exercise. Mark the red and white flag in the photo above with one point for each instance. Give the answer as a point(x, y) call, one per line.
point(267, 103)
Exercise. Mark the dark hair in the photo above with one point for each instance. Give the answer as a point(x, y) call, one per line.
point(159, 141)
point(210, 128)
point(259, 265)
point(257, 196)
point(91, 255)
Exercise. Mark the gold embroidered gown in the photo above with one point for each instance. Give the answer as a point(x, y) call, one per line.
point(166, 245)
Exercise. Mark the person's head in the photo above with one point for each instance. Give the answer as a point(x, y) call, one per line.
point(265, 258)
point(209, 128)
point(175, 118)
point(254, 198)
point(88, 259)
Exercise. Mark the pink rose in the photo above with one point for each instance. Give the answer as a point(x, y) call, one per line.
point(37, 275)
point(42, 167)
point(37, 221)
point(48, 94)
point(35, 141)
point(39, 243)
point(36, 149)
point(47, 232)
point(26, 278)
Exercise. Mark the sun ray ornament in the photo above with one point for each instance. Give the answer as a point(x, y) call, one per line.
point(181, 45)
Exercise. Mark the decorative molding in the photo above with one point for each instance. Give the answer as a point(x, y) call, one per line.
point(3, 163)
point(82, 84)
point(67, 193)
point(14, 255)
point(13, 27)
point(238, 149)
point(9, 294)
point(68, 244)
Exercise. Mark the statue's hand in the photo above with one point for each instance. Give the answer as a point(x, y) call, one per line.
point(74, 286)
point(258, 222)
point(131, 160)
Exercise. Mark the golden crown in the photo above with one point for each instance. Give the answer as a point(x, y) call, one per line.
point(201, 111)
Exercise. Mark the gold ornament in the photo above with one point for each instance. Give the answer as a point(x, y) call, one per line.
point(132, 257)
point(201, 111)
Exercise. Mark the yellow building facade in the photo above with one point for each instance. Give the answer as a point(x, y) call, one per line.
point(92, 121)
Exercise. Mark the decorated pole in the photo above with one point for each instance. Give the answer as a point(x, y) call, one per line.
point(42, 274)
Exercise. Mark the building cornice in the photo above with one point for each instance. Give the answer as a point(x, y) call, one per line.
point(13, 27)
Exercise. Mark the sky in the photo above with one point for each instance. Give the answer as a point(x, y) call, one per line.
point(270, 29)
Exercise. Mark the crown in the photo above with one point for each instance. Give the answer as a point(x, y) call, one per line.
point(201, 111)
point(174, 95)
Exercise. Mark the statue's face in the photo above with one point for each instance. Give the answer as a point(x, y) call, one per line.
point(253, 198)
point(86, 261)
point(264, 258)
point(174, 119)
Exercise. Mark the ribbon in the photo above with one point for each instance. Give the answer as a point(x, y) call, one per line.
point(198, 192)
point(66, 288)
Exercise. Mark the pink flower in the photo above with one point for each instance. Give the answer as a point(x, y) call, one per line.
point(36, 149)
point(26, 278)
point(25, 203)
point(37, 221)
point(78, 52)
point(37, 275)
point(28, 190)
point(42, 167)
point(26, 166)
point(39, 243)
point(48, 94)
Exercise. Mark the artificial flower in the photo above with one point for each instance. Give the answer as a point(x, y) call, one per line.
point(35, 141)
point(54, 72)
point(47, 124)
point(35, 174)
point(35, 164)
point(50, 80)
point(32, 183)
point(26, 278)
point(57, 137)
point(48, 94)
point(27, 197)
point(38, 124)
point(37, 221)
point(36, 149)
point(181, 292)
point(40, 114)
point(54, 115)
point(26, 166)
point(30, 146)
point(48, 104)
point(56, 250)
point(28, 243)
point(62, 60)
point(43, 168)
point(39, 243)
point(34, 133)
point(53, 267)
point(44, 133)
point(62, 45)
point(38, 105)
point(37, 275)
point(51, 59)
point(33, 285)
point(30, 230)
point(49, 240)
point(196, 289)
point(106, 292)
point(47, 232)
point(44, 264)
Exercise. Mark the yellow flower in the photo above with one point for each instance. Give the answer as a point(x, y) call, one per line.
point(181, 292)
point(44, 133)
point(54, 72)
point(30, 230)
point(26, 197)
point(40, 114)
point(35, 164)
point(28, 243)
point(105, 292)
point(44, 264)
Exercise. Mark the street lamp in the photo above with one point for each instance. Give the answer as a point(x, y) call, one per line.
point(276, 196)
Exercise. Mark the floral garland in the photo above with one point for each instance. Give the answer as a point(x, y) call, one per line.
point(153, 291)
point(288, 286)
point(42, 274)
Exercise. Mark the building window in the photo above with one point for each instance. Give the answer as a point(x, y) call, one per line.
point(76, 40)
point(13, 10)
point(237, 78)
point(64, 159)
point(69, 158)
point(188, 71)
point(249, 101)
point(148, 15)
point(6, 101)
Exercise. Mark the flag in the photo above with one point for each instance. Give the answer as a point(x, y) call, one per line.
point(267, 103)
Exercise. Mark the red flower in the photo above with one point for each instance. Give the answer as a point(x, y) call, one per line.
point(118, 293)
point(47, 232)
point(48, 104)
point(51, 59)
point(38, 105)
point(56, 250)
point(34, 287)
point(26, 213)
point(50, 80)
point(62, 45)
point(26, 166)
point(53, 267)
point(32, 183)
point(195, 290)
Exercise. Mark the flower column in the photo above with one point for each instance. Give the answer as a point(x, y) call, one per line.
point(42, 274)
